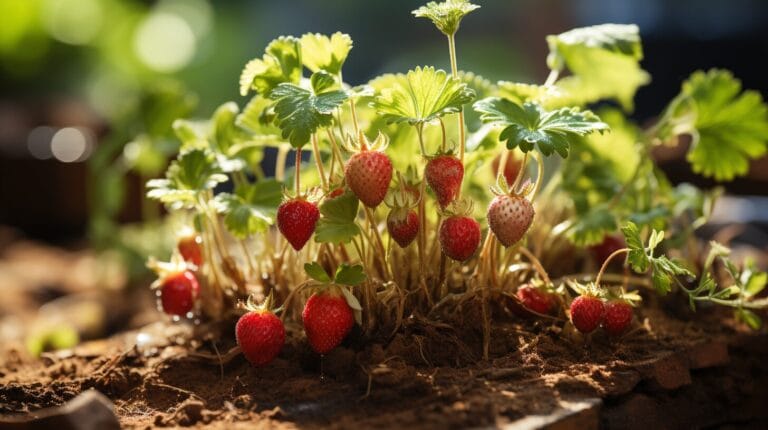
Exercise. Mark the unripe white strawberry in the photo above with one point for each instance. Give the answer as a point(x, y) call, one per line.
point(510, 217)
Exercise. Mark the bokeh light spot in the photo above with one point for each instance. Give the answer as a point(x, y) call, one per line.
point(71, 144)
point(164, 42)
point(39, 142)
point(76, 22)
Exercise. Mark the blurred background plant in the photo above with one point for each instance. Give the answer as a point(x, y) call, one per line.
point(90, 88)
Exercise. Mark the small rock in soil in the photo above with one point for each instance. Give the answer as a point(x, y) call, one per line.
point(88, 411)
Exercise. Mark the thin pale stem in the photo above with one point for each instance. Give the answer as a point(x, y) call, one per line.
point(379, 243)
point(297, 172)
point(607, 261)
point(455, 74)
point(520, 173)
point(249, 260)
point(539, 174)
point(354, 119)
point(536, 264)
point(442, 128)
point(420, 133)
point(282, 156)
point(319, 162)
point(552, 78)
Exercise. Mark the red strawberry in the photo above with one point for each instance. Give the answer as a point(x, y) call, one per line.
point(190, 250)
point(368, 174)
point(178, 292)
point(261, 336)
point(403, 226)
point(603, 250)
point(535, 299)
point(509, 218)
point(618, 316)
point(459, 237)
point(327, 320)
point(444, 174)
point(511, 169)
point(296, 219)
point(587, 313)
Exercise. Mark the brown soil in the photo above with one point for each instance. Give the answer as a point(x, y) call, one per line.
point(663, 371)
point(672, 370)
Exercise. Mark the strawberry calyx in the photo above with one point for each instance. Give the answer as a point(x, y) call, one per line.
point(588, 290)
point(362, 143)
point(402, 198)
point(461, 207)
point(267, 306)
point(168, 269)
point(311, 195)
point(340, 284)
point(502, 188)
point(631, 298)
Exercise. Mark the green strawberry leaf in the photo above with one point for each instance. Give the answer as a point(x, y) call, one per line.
point(337, 221)
point(749, 318)
point(446, 15)
point(531, 125)
point(637, 257)
point(191, 173)
point(320, 52)
point(603, 61)
point(755, 282)
point(662, 282)
point(251, 209)
point(590, 227)
point(421, 95)
point(349, 275)
point(280, 64)
point(300, 112)
point(316, 272)
point(321, 81)
point(729, 126)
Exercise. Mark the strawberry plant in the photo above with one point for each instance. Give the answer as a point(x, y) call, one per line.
point(499, 187)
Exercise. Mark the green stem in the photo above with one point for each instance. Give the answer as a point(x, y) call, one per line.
point(553, 75)
point(297, 172)
point(420, 133)
point(539, 174)
point(442, 128)
point(455, 74)
point(319, 162)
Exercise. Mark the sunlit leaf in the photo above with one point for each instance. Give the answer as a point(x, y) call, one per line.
point(446, 15)
point(421, 95)
point(729, 126)
point(300, 111)
point(192, 172)
point(320, 52)
point(603, 61)
point(279, 64)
